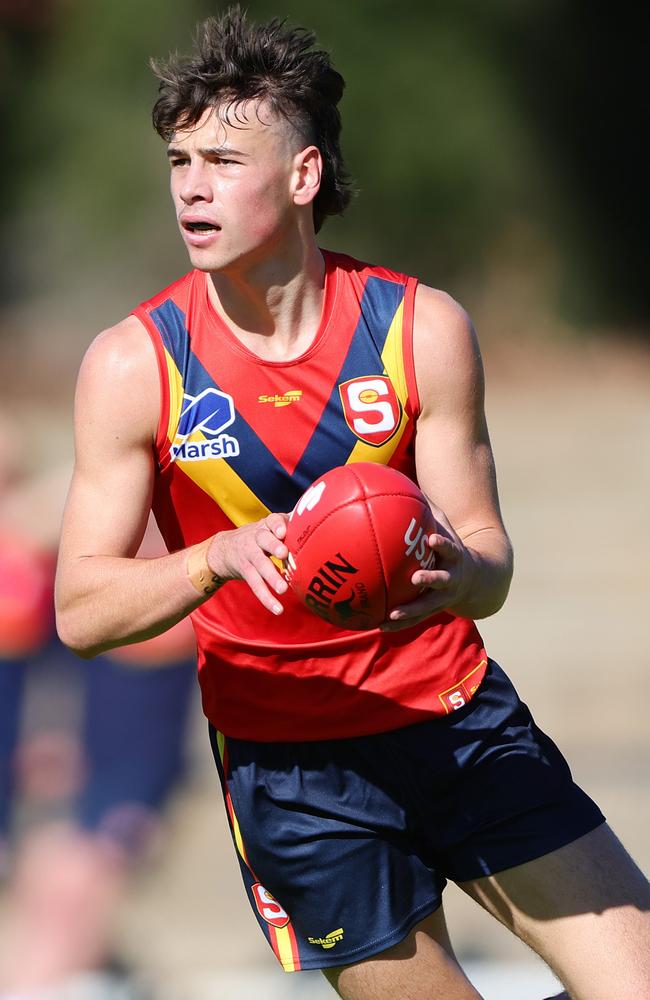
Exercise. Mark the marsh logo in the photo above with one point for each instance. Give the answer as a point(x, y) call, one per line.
point(208, 413)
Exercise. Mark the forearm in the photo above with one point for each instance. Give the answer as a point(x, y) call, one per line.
point(490, 558)
point(108, 601)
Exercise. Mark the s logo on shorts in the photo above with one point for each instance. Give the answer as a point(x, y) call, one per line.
point(268, 907)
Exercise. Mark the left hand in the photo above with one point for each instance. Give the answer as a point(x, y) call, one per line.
point(444, 587)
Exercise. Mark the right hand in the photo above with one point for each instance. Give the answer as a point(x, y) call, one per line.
point(243, 554)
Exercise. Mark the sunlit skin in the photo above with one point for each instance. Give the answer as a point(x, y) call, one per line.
point(242, 182)
point(237, 178)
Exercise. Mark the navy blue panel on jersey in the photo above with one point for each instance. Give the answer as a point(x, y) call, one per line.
point(264, 475)
point(170, 321)
point(333, 440)
point(378, 307)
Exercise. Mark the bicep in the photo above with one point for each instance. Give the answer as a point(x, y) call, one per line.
point(454, 460)
point(116, 407)
point(107, 508)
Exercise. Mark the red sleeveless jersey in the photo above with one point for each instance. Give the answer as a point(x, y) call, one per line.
point(240, 436)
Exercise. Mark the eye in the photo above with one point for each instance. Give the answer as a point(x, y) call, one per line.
point(178, 161)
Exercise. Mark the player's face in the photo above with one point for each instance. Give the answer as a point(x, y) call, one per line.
point(232, 186)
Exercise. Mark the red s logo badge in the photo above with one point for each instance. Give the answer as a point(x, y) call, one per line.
point(268, 907)
point(371, 408)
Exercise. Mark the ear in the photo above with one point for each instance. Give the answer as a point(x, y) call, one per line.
point(308, 170)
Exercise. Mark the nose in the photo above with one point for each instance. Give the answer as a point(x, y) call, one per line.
point(195, 184)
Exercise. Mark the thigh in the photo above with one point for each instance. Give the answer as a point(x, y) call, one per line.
point(585, 909)
point(421, 967)
point(512, 797)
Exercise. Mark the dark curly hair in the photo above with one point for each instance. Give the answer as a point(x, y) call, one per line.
point(235, 60)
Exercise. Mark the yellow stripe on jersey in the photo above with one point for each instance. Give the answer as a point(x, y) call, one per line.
point(393, 356)
point(382, 453)
point(228, 490)
point(175, 382)
point(393, 359)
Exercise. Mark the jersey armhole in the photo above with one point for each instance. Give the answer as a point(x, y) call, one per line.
point(161, 444)
point(407, 347)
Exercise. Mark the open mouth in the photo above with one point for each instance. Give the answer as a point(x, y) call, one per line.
point(200, 227)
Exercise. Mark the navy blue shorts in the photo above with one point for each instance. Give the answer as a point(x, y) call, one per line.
point(345, 845)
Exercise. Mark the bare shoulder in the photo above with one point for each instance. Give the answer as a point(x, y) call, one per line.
point(441, 324)
point(125, 349)
point(445, 346)
point(119, 377)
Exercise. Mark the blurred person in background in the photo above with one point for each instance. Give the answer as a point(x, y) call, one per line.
point(88, 760)
point(320, 809)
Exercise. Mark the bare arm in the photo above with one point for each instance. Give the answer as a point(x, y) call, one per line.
point(105, 597)
point(455, 469)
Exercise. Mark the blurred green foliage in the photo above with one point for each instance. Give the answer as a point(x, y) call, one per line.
point(478, 131)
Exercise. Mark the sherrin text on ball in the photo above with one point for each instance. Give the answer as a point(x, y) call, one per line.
point(355, 539)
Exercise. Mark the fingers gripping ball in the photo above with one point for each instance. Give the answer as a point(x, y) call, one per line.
point(355, 538)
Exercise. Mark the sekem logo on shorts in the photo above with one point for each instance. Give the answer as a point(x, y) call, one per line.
point(329, 940)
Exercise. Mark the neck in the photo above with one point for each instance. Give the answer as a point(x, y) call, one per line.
point(273, 305)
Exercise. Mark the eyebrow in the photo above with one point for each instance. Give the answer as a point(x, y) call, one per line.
point(208, 151)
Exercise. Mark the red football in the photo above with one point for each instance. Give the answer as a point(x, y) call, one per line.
point(355, 538)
